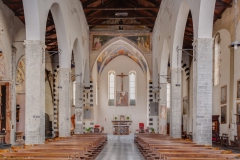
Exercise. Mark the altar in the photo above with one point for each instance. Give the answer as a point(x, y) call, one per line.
point(121, 127)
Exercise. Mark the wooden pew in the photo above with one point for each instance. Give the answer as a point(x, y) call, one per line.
point(157, 146)
point(75, 147)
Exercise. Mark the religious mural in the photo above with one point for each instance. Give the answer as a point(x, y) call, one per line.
point(99, 41)
point(238, 89)
point(143, 42)
point(105, 58)
point(224, 114)
point(20, 79)
point(3, 67)
point(224, 94)
point(121, 98)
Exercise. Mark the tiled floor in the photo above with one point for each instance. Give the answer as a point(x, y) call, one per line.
point(120, 148)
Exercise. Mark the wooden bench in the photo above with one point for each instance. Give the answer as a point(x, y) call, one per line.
point(167, 148)
point(83, 147)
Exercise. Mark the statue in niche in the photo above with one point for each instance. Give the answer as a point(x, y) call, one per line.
point(78, 115)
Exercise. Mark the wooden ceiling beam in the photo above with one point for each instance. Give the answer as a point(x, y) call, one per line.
point(101, 20)
point(89, 2)
point(120, 9)
point(153, 2)
point(143, 24)
point(94, 11)
point(133, 3)
point(11, 2)
point(114, 17)
point(222, 4)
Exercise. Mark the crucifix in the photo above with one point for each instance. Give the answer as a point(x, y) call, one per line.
point(122, 76)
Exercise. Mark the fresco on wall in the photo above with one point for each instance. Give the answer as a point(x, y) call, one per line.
point(100, 60)
point(122, 98)
point(119, 53)
point(3, 66)
point(99, 41)
point(143, 42)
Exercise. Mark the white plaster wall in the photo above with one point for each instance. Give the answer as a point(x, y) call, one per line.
point(190, 106)
point(224, 79)
point(95, 92)
point(9, 27)
point(138, 112)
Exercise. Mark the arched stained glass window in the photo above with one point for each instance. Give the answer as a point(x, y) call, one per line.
point(74, 92)
point(216, 60)
point(132, 88)
point(111, 86)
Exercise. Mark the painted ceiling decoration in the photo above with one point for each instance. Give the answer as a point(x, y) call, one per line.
point(107, 56)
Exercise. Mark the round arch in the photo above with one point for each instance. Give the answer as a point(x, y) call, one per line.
point(78, 59)
point(179, 34)
point(164, 62)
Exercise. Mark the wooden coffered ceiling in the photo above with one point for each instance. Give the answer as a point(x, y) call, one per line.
point(100, 14)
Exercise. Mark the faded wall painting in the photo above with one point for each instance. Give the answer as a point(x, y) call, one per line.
point(142, 42)
point(121, 52)
point(122, 98)
point(99, 41)
point(224, 94)
point(223, 114)
point(3, 66)
point(238, 111)
point(238, 89)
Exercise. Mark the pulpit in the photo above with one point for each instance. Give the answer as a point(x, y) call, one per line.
point(121, 127)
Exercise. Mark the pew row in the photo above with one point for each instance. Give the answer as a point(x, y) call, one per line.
point(84, 147)
point(156, 146)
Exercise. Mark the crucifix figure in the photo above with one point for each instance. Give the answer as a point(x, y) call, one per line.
point(122, 76)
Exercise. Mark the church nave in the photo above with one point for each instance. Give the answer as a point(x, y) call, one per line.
point(120, 148)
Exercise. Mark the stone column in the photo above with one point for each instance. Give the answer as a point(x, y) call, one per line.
point(13, 97)
point(231, 95)
point(163, 109)
point(35, 92)
point(64, 102)
point(79, 109)
point(176, 103)
point(202, 91)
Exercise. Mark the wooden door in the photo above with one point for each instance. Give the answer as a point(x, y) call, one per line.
point(3, 107)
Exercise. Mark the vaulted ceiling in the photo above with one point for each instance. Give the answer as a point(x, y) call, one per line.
point(117, 15)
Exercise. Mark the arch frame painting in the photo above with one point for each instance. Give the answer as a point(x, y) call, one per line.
point(238, 89)
point(224, 114)
point(142, 41)
point(224, 94)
